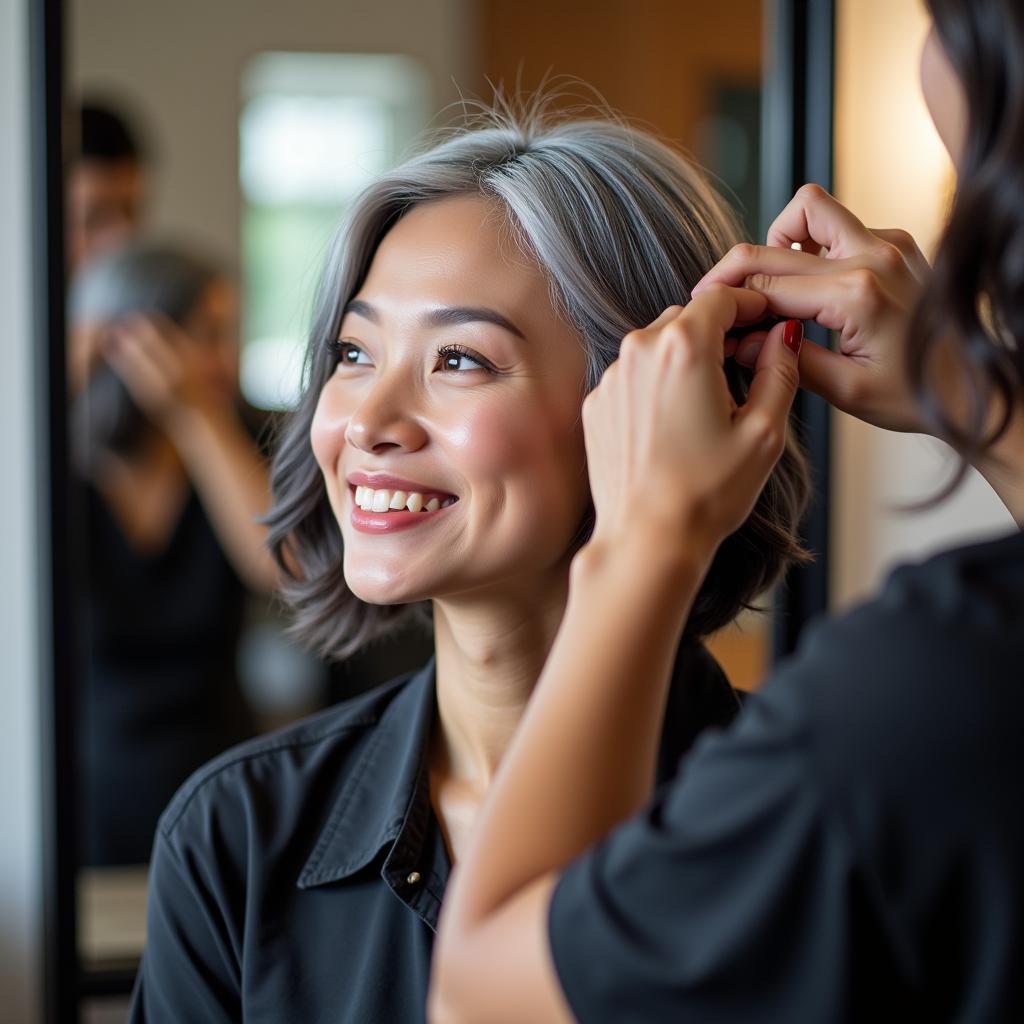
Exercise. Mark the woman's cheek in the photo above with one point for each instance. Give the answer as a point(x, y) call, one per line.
point(327, 431)
point(528, 458)
point(490, 439)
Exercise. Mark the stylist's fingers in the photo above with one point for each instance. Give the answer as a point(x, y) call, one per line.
point(746, 258)
point(822, 371)
point(764, 416)
point(718, 308)
point(151, 338)
point(695, 333)
point(814, 219)
point(143, 376)
point(903, 242)
point(842, 381)
point(741, 308)
point(851, 302)
point(667, 316)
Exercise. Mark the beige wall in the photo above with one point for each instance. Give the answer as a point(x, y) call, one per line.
point(181, 63)
point(657, 62)
point(892, 171)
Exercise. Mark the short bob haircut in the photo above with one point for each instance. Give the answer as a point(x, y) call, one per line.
point(623, 227)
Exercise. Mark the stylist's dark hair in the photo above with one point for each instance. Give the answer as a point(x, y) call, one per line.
point(623, 226)
point(104, 134)
point(976, 293)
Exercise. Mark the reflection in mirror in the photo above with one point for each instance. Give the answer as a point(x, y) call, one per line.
point(219, 145)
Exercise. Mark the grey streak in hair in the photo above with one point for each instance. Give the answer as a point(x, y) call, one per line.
point(623, 227)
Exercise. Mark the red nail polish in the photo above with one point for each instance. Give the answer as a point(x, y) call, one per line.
point(793, 336)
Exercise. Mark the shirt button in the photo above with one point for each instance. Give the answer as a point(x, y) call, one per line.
point(413, 877)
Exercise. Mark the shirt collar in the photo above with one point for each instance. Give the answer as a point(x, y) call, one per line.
point(382, 782)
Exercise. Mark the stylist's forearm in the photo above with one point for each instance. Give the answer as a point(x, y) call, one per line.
point(584, 757)
point(233, 484)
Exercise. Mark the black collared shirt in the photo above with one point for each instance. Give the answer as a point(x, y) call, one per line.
point(852, 849)
point(299, 876)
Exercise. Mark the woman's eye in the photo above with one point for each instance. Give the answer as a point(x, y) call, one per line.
point(455, 359)
point(352, 355)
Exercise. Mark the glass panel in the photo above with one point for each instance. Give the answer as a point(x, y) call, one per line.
point(315, 129)
point(259, 122)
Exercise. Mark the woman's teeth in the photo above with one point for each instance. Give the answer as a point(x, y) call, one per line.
point(370, 500)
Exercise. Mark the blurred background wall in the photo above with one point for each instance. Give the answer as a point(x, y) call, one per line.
point(181, 64)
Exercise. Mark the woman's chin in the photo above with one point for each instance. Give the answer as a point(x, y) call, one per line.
point(382, 588)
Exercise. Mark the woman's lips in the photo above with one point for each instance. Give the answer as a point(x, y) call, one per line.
point(397, 503)
point(382, 481)
point(392, 522)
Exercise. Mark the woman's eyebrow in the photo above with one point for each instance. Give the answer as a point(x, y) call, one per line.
point(447, 316)
point(443, 316)
point(363, 309)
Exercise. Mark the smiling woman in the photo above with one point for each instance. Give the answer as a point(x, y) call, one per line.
point(587, 230)
point(462, 400)
point(436, 464)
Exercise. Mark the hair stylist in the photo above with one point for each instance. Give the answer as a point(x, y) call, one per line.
point(853, 847)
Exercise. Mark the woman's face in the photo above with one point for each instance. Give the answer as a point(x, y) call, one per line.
point(943, 95)
point(455, 380)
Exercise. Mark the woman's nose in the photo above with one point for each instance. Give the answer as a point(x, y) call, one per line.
point(385, 419)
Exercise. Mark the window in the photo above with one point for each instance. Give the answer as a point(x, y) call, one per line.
point(314, 130)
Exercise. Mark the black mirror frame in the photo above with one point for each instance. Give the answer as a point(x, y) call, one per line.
point(56, 634)
point(797, 147)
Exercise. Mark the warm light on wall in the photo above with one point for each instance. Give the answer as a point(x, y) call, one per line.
point(891, 167)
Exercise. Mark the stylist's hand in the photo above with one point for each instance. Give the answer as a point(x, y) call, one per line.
point(865, 287)
point(163, 368)
point(670, 455)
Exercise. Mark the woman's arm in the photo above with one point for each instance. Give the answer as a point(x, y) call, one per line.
point(675, 467)
point(233, 483)
point(230, 477)
point(190, 969)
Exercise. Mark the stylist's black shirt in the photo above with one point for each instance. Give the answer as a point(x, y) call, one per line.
point(851, 849)
point(160, 695)
point(298, 877)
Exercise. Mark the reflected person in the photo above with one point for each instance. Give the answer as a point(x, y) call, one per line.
point(106, 184)
point(173, 484)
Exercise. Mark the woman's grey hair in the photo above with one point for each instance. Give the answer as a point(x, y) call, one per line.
point(623, 226)
point(140, 277)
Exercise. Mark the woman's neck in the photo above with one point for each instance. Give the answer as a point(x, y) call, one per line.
point(490, 652)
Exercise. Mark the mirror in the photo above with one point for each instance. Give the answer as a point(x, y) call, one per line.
point(254, 124)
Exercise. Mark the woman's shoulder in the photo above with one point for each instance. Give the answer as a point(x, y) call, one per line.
point(286, 777)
